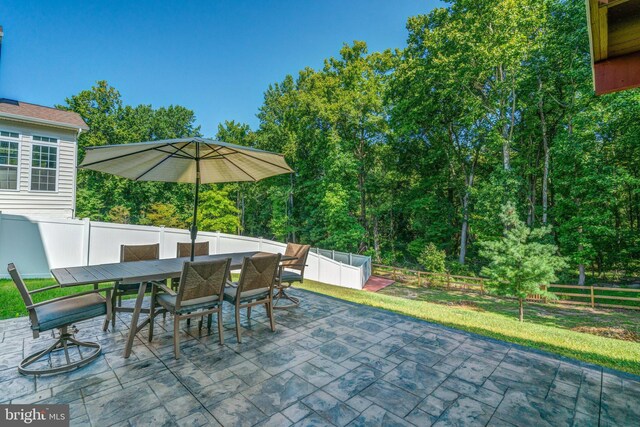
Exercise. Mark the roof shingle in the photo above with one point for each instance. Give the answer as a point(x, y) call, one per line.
point(26, 111)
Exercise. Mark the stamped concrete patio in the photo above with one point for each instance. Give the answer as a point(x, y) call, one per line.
point(329, 363)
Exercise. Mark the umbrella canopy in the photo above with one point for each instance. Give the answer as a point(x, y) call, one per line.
point(194, 160)
point(177, 160)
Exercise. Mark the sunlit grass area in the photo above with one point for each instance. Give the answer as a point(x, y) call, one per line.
point(11, 304)
point(544, 329)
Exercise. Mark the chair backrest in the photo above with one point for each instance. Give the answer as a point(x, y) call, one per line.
point(300, 252)
point(184, 249)
point(202, 279)
point(259, 272)
point(139, 252)
point(22, 288)
point(26, 297)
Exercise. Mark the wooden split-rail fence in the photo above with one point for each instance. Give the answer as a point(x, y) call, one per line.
point(594, 296)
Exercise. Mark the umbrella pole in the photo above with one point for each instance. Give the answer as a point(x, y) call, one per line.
point(194, 224)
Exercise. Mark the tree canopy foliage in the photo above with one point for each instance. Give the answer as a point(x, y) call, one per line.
point(490, 103)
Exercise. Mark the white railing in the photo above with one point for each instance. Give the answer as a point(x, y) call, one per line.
point(36, 245)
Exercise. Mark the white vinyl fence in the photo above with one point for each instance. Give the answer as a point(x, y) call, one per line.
point(37, 245)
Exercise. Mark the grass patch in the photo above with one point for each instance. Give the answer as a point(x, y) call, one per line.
point(11, 304)
point(544, 330)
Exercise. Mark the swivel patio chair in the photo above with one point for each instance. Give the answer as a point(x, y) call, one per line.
point(131, 253)
point(200, 293)
point(291, 271)
point(255, 287)
point(61, 314)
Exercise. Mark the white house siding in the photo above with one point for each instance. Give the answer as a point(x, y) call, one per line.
point(57, 204)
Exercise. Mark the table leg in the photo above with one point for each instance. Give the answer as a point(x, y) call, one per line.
point(133, 328)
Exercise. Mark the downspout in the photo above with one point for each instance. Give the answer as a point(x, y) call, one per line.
point(75, 175)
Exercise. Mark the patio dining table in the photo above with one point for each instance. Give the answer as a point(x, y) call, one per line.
point(142, 272)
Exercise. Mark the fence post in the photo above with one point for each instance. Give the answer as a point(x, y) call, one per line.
point(593, 299)
point(161, 240)
point(482, 286)
point(419, 279)
point(86, 240)
point(448, 281)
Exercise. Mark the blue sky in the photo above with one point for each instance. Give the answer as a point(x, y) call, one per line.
point(215, 57)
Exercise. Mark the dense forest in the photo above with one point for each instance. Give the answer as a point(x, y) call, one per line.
point(397, 152)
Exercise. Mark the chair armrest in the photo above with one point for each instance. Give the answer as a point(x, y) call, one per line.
point(108, 290)
point(35, 291)
point(284, 265)
point(164, 288)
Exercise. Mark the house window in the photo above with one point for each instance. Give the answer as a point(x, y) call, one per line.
point(44, 139)
point(44, 168)
point(9, 134)
point(9, 165)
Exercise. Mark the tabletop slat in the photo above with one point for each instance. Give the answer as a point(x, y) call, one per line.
point(137, 271)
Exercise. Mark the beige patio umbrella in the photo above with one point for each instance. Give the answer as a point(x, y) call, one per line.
point(195, 160)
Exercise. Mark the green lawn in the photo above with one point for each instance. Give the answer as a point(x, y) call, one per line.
point(545, 327)
point(11, 304)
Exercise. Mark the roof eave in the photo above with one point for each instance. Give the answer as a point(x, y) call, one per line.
point(27, 119)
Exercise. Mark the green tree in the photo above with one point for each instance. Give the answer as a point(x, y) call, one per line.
point(111, 122)
point(119, 215)
point(163, 214)
point(217, 212)
point(433, 259)
point(520, 263)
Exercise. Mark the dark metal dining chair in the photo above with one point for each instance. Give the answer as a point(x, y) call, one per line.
point(61, 314)
point(131, 253)
point(255, 287)
point(291, 271)
point(200, 293)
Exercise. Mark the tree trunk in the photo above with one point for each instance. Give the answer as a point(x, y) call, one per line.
point(521, 309)
point(506, 155)
point(581, 267)
point(532, 202)
point(582, 276)
point(376, 239)
point(545, 173)
point(465, 218)
point(363, 195)
point(292, 230)
point(240, 207)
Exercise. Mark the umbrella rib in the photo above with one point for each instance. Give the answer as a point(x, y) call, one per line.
point(174, 154)
point(212, 154)
point(259, 159)
point(241, 170)
point(120, 156)
point(170, 155)
point(153, 167)
point(245, 154)
point(184, 144)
